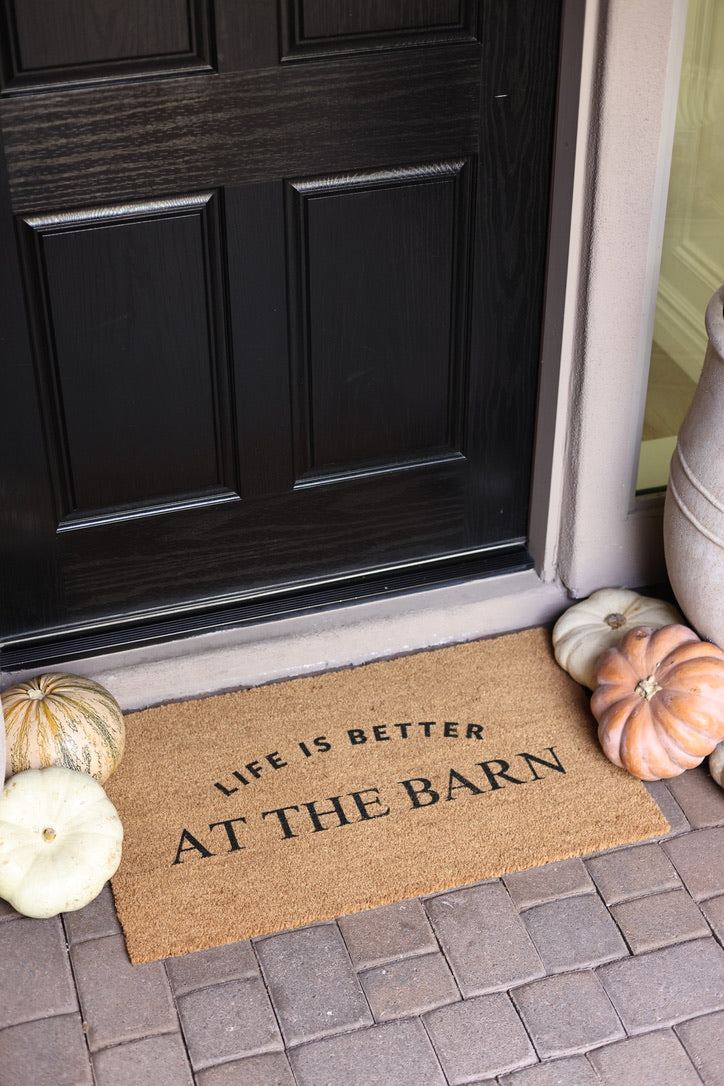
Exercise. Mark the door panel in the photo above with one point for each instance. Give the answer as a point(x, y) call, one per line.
point(135, 378)
point(375, 380)
point(280, 314)
point(327, 19)
point(69, 40)
point(325, 26)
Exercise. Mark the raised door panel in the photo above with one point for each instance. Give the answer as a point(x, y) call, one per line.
point(62, 41)
point(130, 349)
point(326, 18)
point(378, 276)
point(316, 27)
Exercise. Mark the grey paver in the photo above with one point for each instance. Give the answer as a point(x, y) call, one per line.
point(570, 1071)
point(713, 910)
point(653, 1059)
point(632, 872)
point(484, 939)
point(228, 1021)
point(36, 977)
point(160, 1060)
point(659, 920)
point(703, 1039)
point(269, 1069)
point(498, 934)
point(212, 966)
point(382, 935)
point(7, 912)
point(46, 1052)
point(314, 988)
point(397, 1052)
point(701, 799)
point(670, 809)
point(666, 986)
point(137, 1002)
point(574, 933)
point(567, 1013)
point(479, 1038)
point(96, 919)
point(550, 882)
point(699, 859)
point(409, 986)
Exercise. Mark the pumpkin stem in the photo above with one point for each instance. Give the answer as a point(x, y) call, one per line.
point(49, 834)
point(36, 695)
point(646, 688)
point(615, 620)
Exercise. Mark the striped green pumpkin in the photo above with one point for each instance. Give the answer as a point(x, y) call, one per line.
point(63, 720)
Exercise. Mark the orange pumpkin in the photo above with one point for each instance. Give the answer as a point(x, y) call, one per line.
point(659, 701)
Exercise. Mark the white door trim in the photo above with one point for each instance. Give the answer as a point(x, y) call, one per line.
point(607, 536)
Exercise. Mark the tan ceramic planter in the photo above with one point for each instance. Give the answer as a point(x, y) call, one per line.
point(694, 509)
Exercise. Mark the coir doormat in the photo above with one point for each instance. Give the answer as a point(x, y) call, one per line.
point(269, 808)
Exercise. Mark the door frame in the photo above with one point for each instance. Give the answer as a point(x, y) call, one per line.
point(607, 534)
point(587, 529)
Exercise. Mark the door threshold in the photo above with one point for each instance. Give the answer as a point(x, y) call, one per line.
point(47, 648)
point(310, 642)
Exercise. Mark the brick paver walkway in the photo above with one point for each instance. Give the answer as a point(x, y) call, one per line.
point(602, 971)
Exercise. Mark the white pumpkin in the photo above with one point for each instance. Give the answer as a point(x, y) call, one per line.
point(60, 841)
point(3, 744)
point(66, 720)
point(598, 623)
point(716, 764)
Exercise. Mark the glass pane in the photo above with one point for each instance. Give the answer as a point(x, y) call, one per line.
point(692, 260)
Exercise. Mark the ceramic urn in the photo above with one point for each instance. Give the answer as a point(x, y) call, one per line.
point(694, 507)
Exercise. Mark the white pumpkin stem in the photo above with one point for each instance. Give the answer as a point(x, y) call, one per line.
point(646, 688)
point(48, 834)
point(615, 620)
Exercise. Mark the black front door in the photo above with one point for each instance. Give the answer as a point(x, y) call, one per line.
point(272, 288)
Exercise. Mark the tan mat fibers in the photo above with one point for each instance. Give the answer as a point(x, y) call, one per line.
point(269, 808)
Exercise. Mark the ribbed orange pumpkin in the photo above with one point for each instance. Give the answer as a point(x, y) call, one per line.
point(659, 701)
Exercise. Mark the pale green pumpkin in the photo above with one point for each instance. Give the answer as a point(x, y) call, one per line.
point(62, 720)
point(60, 841)
point(590, 627)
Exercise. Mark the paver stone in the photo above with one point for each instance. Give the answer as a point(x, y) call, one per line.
point(567, 1013)
point(666, 986)
point(652, 1059)
point(484, 939)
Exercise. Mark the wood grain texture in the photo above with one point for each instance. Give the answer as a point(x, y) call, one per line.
point(156, 139)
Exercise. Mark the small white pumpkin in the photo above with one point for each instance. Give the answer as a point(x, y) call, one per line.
point(588, 628)
point(716, 764)
point(60, 841)
point(66, 720)
point(3, 744)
